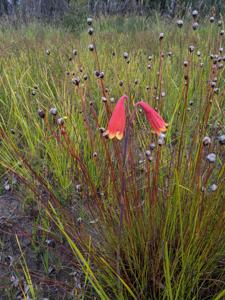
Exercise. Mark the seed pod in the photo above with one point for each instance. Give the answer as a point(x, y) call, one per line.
point(101, 75)
point(112, 100)
point(213, 187)
point(125, 55)
point(180, 23)
point(221, 32)
point(104, 99)
point(47, 51)
point(89, 21)
point(222, 139)
point(212, 19)
point(121, 83)
point(199, 53)
point(97, 73)
point(201, 65)
point(212, 83)
point(12, 131)
point(41, 113)
point(152, 146)
point(191, 48)
point(216, 90)
point(95, 154)
point(85, 77)
point(33, 93)
point(74, 52)
point(163, 94)
point(161, 35)
point(150, 57)
point(91, 47)
point(195, 13)
point(221, 49)
point(149, 66)
point(185, 63)
point(195, 25)
point(76, 81)
point(53, 111)
point(161, 141)
point(90, 31)
point(102, 129)
point(220, 23)
point(60, 121)
point(206, 141)
point(211, 158)
point(78, 188)
point(147, 153)
point(191, 103)
point(170, 53)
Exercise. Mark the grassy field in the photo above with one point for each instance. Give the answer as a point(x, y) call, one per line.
point(140, 218)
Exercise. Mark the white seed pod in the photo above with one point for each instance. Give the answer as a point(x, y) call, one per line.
point(211, 158)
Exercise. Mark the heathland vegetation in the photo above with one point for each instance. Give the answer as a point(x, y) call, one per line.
point(138, 217)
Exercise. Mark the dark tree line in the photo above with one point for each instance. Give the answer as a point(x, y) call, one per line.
point(51, 9)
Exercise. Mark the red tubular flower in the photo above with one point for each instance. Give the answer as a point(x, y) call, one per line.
point(117, 121)
point(155, 120)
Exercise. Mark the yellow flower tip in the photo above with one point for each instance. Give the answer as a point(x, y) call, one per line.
point(119, 135)
point(111, 135)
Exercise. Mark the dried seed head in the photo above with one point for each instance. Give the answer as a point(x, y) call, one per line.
point(78, 188)
point(213, 187)
point(60, 121)
point(147, 153)
point(76, 81)
point(216, 90)
point(206, 141)
point(95, 154)
point(191, 48)
point(97, 73)
point(89, 21)
point(195, 25)
point(102, 129)
point(152, 146)
point(74, 52)
point(161, 141)
point(212, 83)
point(101, 75)
point(53, 111)
point(180, 23)
point(41, 113)
point(125, 55)
point(194, 13)
point(91, 47)
point(212, 19)
point(90, 30)
point(222, 139)
point(161, 35)
point(211, 158)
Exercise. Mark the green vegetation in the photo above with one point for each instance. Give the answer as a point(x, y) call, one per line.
point(134, 224)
